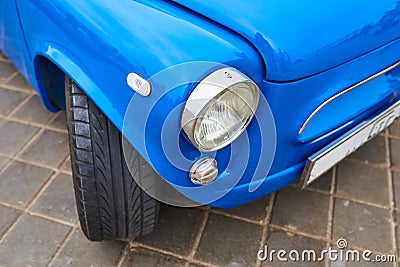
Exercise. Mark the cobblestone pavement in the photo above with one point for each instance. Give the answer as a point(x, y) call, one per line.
point(358, 200)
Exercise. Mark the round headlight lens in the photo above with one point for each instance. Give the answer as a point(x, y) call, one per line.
point(226, 116)
point(221, 107)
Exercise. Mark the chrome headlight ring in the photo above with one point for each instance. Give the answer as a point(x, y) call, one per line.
point(219, 109)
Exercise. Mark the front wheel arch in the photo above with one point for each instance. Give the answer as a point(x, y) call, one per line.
point(50, 80)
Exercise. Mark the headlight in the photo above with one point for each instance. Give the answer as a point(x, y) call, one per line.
point(219, 109)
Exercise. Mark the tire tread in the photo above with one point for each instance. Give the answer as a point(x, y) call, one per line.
point(110, 203)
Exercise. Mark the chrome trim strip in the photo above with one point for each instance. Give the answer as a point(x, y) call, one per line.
point(324, 159)
point(376, 75)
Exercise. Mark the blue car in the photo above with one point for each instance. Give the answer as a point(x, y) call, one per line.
point(204, 102)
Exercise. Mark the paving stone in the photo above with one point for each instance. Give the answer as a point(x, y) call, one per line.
point(279, 240)
point(176, 230)
point(3, 162)
point(20, 83)
point(255, 210)
point(354, 180)
point(374, 151)
point(228, 241)
point(362, 226)
point(59, 121)
point(32, 242)
point(50, 148)
point(13, 136)
point(396, 185)
point(81, 252)
point(397, 214)
point(395, 128)
point(58, 200)
point(6, 69)
point(66, 166)
point(8, 216)
point(395, 153)
point(323, 183)
point(144, 257)
point(3, 57)
point(9, 99)
point(33, 111)
point(22, 182)
point(301, 211)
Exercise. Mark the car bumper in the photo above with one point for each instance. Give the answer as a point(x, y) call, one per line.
point(274, 182)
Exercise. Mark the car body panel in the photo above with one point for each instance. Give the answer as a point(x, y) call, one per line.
point(97, 43)
point(307, 95)
point(301, 38)
point(12, 41)
point(81, 34)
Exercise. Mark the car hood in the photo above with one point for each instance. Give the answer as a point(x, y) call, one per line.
point(300, 38)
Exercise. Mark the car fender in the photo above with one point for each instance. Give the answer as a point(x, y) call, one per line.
point(94, 43)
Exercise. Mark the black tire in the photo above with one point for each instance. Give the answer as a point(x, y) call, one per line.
point(110, 203)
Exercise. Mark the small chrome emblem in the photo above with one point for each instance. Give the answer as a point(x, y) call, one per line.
point(138, 84)
point(228, 75)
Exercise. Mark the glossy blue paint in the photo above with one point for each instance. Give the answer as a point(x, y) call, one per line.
point(12, 41)
point(361, 99)
point(299, 54)
point(307, 94)
point(301, 38)
point(78, 35)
